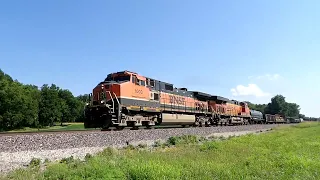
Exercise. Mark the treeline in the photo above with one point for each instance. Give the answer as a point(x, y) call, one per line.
point(278, 105)
point(31, 106)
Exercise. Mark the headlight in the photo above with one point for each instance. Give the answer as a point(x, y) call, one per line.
point(102, 101)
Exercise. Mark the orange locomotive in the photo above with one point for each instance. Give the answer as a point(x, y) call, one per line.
point(128, 99)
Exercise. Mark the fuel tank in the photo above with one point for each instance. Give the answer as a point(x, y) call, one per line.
point(177, 119)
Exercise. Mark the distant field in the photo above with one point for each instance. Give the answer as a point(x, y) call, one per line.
point(286, 153)
point(57, 127)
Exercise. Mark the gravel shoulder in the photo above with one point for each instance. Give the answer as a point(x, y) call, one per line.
point(17, 151)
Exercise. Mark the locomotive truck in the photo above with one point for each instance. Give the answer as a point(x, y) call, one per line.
point(127, 99)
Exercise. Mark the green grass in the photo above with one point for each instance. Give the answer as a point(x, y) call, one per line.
point(57, 127)
point(285, 153)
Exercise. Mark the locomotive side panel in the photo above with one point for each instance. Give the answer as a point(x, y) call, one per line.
point(237, 109)
point(201, 106)
point(231, 109)
point(234, 111)
point(136, 96)
point(218, 108)
point(176, 103)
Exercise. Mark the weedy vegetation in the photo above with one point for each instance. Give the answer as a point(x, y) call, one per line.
point(284, 153)
point(56, 127)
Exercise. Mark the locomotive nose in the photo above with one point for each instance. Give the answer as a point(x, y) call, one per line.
point(105, 92)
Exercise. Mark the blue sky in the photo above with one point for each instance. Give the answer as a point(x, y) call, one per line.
point(245, 50)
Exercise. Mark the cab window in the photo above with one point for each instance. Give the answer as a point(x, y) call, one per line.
point(133, 79)
point(150, 82)
point(119, 78)
point(137, 81)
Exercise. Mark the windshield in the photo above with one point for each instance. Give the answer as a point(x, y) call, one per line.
point(118, 78)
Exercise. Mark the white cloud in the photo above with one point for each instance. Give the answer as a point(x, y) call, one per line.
point(266, 76)
point(250, 90)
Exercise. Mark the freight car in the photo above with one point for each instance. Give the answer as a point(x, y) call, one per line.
point(273, 119)
point(257, 117)
point(127, 99)
point(295, 120)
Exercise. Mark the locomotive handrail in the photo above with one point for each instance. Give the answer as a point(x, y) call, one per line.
point(116, 98)
point(111, 100)
point(91, 99)
point(119, 114)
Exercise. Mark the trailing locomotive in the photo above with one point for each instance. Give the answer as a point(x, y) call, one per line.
point(127, 99)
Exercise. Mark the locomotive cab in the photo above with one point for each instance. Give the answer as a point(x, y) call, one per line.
point(108, 89)
point(105, 105)
point(119, 86)
point(118, 99)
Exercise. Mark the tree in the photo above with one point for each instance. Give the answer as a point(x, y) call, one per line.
point(18, 104)
point(27, 106)
point(32, 95)
point(84, 98)
point(66, 98)
point(302, 116)
point(50, 105)
point(257, 107)
point(71, 107)
point(278, 105)
point(293, 110)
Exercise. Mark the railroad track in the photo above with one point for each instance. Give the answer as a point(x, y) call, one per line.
point(80, 131)
point(95, 130)
point(45, 132)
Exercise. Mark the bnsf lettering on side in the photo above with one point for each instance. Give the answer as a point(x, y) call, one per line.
point(177, 100)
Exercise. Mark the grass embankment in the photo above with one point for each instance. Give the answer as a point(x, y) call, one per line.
point(286, 153)
point(57, 127)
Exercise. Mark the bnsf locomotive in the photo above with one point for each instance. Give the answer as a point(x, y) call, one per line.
point(127, 99)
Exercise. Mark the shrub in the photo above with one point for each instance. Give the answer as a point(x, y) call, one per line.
point(109, 151)
point(142, 145)
point(157, 143)
point(185, 139)
point(67, 160)
point(88, 156)
point(35, 162)
point(207, 146)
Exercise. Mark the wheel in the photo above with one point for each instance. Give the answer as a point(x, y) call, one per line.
point(119, 127)
point(149, 127)
point(106, 121)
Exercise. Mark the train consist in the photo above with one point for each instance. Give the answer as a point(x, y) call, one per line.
point(127, 99)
